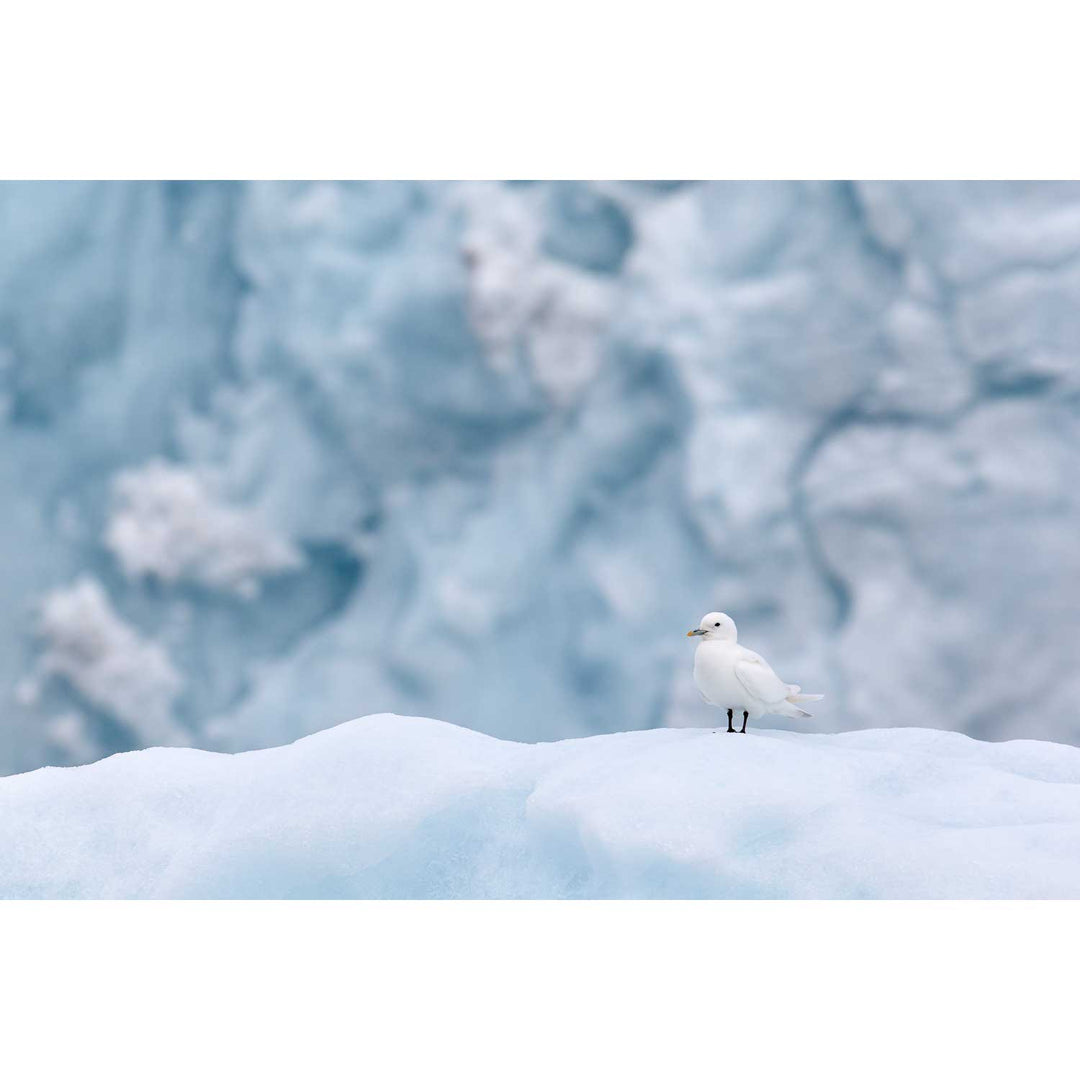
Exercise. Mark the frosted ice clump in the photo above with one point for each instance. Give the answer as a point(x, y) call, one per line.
point(166, 524)
point(107, 663)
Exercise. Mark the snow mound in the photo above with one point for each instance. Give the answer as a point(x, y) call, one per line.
point(89, 646)
point(395, 807)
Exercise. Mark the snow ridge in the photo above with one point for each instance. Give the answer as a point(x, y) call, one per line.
point(403, 807)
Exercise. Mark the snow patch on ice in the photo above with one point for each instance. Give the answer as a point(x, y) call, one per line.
point(108, 663)
point(68, 733)
point(166, 524)
point(521, 302)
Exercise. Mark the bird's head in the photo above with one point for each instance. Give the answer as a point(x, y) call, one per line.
point(716, 626)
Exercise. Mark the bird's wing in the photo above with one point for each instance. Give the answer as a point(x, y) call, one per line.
point(758, 679)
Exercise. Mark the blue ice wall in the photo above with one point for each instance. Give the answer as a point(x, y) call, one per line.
point(277, 455)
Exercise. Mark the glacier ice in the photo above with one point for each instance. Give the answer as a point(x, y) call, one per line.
point(283, 432)
point(404, 807)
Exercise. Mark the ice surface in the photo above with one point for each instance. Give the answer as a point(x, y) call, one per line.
point(292, 430)
point(398, 807)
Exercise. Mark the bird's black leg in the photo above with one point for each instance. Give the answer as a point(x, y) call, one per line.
point(729, 727)
point(745, 716)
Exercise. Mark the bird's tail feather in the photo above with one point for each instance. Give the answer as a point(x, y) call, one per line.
point(793, 700)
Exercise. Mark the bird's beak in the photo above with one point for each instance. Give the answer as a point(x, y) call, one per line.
point(694, 633)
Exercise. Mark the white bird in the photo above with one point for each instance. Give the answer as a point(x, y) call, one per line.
point(734, 678)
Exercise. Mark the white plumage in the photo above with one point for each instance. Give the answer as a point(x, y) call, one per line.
point(737, 679)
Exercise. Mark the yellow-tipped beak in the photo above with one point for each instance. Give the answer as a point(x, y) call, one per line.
point(689, 633)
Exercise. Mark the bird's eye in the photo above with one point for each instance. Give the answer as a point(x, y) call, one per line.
point(716, 624)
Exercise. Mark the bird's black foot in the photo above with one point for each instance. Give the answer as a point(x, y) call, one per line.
point(731, 730)
point(745, 717)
